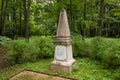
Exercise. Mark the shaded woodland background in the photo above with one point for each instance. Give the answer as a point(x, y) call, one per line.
point(24, 18)
point(28, 28)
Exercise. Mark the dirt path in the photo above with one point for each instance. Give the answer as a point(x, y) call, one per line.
point(36, 76)
point(2, 52)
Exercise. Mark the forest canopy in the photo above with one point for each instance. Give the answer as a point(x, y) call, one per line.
point(89, 18)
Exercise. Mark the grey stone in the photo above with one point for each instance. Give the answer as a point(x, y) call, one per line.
point(63, 58)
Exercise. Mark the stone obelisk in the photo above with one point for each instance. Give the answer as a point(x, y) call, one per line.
point(63, 58)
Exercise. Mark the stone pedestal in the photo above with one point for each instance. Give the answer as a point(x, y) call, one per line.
point(62, 66)
point(63, 58)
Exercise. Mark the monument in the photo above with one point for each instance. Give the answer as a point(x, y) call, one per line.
point(63, 57)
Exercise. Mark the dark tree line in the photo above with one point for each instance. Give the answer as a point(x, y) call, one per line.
point(10, 9)
point(24, 18)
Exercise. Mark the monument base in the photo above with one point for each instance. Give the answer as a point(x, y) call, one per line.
point(62, 66)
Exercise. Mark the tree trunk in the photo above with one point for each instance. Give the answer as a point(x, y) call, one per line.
point(4, 16)
point(71, 17)
point(21, 21)
point(26, 17)
point(84, 26)
point(1, 22)
point(106, 29)
point(101, 16)
point(70, 11)
point(14, 21)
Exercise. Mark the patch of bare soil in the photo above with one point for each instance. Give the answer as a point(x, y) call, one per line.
point(2, 53)
point(30, 75)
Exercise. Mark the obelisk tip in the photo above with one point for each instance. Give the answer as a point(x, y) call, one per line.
point(63, 10)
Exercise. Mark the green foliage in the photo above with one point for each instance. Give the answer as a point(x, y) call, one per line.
point(116, 74)
point(46, 46)
point(102, 49)
point(87, 69)
point(80, 47)
point(44, 16)
point(75, 67)
point(106, 50)
point(4, 41)
point(22, 51)
point(96, 45)
point(41, 66)
point(39, 30)
point(111, 55)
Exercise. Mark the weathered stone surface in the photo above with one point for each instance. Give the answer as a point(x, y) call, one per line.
point(63, 32)
point(60, 52)
point(63, 53)
point(63, 27)
point(65, 66)
point(63, 58)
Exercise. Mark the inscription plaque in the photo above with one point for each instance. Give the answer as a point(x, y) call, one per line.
point(60, 52)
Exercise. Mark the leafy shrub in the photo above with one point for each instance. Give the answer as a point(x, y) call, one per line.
point(39, 30)
point(96, 48)
point(4, 41)
point(102, 49)
point(45, 45)
point(116, 74)
point(80, 47)
point(106, 50)
point(20, 52)
point(111, 55)
point(23, 51)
